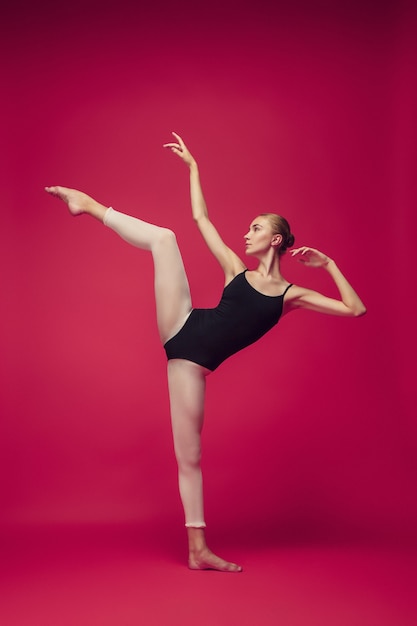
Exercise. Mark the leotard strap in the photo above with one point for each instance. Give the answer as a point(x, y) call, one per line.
point(290, 285)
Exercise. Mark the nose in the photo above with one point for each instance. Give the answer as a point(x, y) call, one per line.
point(246, 237)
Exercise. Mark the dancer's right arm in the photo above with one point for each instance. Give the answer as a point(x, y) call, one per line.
point(229, 261)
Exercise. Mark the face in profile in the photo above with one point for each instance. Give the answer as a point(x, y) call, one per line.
point(260, 236)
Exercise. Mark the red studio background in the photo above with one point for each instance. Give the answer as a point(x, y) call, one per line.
point(306, 110)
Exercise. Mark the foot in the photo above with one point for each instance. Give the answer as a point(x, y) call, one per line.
point(77, 201)
point(205, 559)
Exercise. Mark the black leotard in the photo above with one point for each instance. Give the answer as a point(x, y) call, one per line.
point(243, 315)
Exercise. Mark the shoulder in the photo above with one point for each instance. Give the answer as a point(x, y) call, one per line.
point(300, 297)
point(295, 294)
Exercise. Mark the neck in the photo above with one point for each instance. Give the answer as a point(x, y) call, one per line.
point(269, 265)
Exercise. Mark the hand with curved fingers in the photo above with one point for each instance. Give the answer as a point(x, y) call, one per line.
point(180, 149)
point(310, 257)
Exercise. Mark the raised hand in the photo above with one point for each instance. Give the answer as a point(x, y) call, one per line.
point(180, 149)
point(310, 257)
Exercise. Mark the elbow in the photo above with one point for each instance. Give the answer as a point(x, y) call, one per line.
point(199, 219)
point(360, 311)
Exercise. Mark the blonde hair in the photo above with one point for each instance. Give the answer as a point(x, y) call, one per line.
point(280, 226)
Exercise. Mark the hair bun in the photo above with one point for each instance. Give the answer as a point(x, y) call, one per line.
point(290, 241)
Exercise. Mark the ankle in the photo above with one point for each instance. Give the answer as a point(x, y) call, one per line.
point(106, 215)
point(196, 540)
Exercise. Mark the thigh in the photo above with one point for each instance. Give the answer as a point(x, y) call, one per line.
point(187, 384)
point(172, 291)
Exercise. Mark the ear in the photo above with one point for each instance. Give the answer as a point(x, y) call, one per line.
point(276, 240)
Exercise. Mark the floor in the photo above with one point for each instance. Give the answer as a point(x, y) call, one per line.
point(126, 576)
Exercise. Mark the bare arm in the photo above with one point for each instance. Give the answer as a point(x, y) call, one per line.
point(229, 261)
point(349, 305)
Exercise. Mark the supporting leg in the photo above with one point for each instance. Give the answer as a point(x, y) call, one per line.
point(186, 383)
point(187, 390)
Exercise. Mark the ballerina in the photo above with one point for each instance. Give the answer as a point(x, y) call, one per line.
point(197, 341)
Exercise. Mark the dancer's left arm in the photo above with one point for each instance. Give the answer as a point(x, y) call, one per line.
point(349, 305)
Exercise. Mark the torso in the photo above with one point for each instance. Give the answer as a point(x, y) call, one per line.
point(243, 315)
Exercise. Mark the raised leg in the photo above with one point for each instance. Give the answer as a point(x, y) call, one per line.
point(186, 382)
point(172, 293)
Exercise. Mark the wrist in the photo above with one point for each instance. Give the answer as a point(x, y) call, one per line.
point(329, 264)
point(193, 166)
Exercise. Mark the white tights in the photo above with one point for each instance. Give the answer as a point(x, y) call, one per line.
point(186, 380)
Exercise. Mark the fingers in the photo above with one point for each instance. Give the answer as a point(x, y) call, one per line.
point(180, 149)
point(303, 250)
point(177, 151)
point(303, 254)
point(176, 147)
point(178, 138)
point(310, 257)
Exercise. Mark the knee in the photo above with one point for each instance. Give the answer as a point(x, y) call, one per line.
point(166, 237)
point(189, 459)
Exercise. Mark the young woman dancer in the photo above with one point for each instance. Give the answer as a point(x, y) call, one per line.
point(198, 340)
